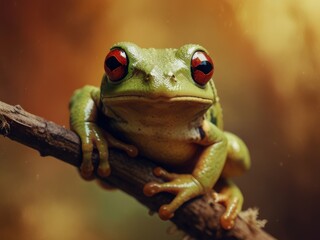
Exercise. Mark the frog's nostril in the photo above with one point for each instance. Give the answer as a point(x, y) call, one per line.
point(170, 76)
point(148, 77)
point(173, 78)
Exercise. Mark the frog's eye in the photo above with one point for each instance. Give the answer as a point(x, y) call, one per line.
point(201, 67)
point(116, 64)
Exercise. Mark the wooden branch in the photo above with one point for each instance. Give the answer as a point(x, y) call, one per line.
point(198, 218)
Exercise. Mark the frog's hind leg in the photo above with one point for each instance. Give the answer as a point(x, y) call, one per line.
point(231, 197)
point(238, 158)
point(238, 161)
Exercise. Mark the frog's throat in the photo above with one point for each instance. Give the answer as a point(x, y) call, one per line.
point(137, 98)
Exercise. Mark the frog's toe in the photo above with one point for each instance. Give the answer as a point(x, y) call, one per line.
point(104, 166)
point(131, 150)
point(160, 172)
point(165, 212)
point(233, 207)
point(219, 197)
point(104, 169)
point(227, 222)
point(233, 203)
point(153, 188)
point(86, 170)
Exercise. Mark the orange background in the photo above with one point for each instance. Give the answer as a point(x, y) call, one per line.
point(267, 71)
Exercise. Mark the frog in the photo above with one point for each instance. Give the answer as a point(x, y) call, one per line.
point(162, 104)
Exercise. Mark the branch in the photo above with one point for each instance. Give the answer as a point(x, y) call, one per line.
point(198, 218)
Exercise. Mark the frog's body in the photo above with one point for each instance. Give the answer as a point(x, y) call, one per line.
point(157, 104)
point(150, 132)
point(153, 125)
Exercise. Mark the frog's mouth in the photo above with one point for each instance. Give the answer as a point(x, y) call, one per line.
point(156, 110)
point(110, 100)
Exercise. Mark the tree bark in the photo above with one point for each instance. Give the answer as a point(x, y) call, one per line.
point(198, 218)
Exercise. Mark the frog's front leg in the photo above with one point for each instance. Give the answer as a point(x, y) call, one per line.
point(202, 179)
point(84, 108)
point(184, 186)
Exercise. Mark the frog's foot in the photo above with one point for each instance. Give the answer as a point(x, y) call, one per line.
point(232, 199)
point(90, 139)
point(101, 140)
point(184, 186)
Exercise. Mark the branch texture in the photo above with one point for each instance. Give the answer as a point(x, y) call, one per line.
point(198, 218)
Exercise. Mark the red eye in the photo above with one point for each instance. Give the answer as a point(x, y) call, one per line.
point(201, 67)
point(116, 64)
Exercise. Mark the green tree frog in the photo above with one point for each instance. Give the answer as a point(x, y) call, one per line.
point(162, 104)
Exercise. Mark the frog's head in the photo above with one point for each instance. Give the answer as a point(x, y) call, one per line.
point(134, 74)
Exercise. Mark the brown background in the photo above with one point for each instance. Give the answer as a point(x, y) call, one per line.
point(267, 60)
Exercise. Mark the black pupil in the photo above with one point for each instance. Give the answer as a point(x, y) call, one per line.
point(205, 67)
point(112, 63)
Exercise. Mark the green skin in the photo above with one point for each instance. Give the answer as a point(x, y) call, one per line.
point(158, 111)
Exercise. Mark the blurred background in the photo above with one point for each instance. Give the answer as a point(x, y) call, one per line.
point(267, 72)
